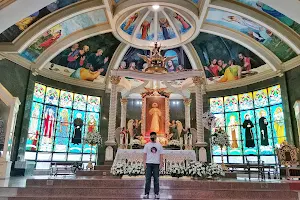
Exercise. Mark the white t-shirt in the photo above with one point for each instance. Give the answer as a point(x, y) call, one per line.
point(153, 151)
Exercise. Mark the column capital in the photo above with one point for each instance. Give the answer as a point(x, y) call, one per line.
point(124, 101)
point(198, 80)
point(187, 101)
point(115, 80)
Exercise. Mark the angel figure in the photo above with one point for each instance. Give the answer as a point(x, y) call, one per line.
point(123, 138)
point(188, 139)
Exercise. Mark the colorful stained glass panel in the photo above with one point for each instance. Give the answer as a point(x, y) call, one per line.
point(80, 102)
point(92, 121)
point(39, 93)
point(274, 95)
point(277, 113)
point(246, 101)
point(52, 96)
point(93, 104)
point(220, 120)
point(231, 103)
point(66, 99)
point(260, 98)
point(216, 105)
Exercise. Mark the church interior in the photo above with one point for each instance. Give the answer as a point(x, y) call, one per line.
point(83, 83)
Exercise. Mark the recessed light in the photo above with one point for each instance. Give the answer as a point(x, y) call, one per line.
point(155, 7)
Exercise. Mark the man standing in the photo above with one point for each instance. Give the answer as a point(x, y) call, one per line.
point(153, 161)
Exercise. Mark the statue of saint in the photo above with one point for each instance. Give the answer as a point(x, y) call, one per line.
point(156, 114)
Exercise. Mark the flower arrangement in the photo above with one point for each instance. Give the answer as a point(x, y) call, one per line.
point(135, 169)
point(214, 170)
point(220, 138)
point(173, 144)
point(177, 170)
point(118, 169)
point(209, 120)
point(93, 138)
point(136, 144)
point(196, 169)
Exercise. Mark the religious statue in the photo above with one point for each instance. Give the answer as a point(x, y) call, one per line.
point(124, 138)
point(179, 128)
point(263, 125)
point(173, 131)
point(248, 125)
point(188, 139)
point(130, 129)
point(78, 123)
point(156, 114)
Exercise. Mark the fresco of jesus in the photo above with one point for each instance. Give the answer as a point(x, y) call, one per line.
point(156, 114)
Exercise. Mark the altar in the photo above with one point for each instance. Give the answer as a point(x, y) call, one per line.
point(170, 156)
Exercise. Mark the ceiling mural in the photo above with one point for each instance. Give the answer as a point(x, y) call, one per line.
point(15, 30)
point(61, 30)
point(252, 29)
point(272, 12)
point(88, 59)
point(225, 60)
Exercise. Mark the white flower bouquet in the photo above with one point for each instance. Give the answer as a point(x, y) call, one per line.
point(135, 169)
point(196, 169)
point(209, 120)
point(220, 138)
point(174, 143)
point(93, 138)
point(214, 170)
point(177, 170)
point(118, 169)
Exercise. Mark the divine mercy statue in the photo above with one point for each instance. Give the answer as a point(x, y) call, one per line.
point(156, 114)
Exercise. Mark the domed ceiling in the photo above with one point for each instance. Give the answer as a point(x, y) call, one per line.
point(233, 43)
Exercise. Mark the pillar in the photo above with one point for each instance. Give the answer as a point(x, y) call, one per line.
point(187, 111)
point(115, 80)
point(201, 144)
point(124, 102)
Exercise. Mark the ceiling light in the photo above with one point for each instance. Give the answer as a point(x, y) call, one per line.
point(155, 7)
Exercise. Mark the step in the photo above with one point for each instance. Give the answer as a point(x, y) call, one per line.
point(172, 183)
point(8, 191)
point(102, 167)
point(108, 163)
point(106, 198)
point(165, 193)
point(93, 173)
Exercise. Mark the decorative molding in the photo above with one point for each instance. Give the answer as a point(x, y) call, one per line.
point(137, 89)
point(176, 90)
point(34, 31)
point(4, 3)
point(291, 64)
point(16, 58)
point(265, 54)
point(163, 77)
point(285, 33)
point(115, 80)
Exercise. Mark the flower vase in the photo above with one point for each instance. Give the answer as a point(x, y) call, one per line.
point(222, 158)
point(90, 164)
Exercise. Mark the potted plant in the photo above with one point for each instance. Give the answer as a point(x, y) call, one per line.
point(93, 139)
point(220, 138)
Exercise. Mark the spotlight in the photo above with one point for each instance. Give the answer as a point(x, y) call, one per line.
point(155, 7)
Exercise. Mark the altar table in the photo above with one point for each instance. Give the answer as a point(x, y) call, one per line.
point(172, 156)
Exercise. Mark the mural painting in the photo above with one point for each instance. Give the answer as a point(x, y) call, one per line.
point(61, 30)
point(146, 31)
point(274, 13)
point(15, 30)
point(165, 31)
point(252, 29)
point(180, 22)
point(225, 60)
point(129, 24)
point(88, 59)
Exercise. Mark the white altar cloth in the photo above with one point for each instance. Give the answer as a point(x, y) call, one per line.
point(136, 155)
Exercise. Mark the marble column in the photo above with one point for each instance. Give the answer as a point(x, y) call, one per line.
point(124, 102)
point(115, 80)
point(187, 111)
point(198, 81)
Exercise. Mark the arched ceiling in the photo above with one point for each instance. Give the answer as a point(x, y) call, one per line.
point(45, 40)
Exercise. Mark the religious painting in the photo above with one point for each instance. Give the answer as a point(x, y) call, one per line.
point(87, 60)
point(61, 30)
point(155, 115)
point(224, 60)
point(146, 31)
point(253, 30)
point(259, 5)
point(129, 24)
point(165, 31)
point(249, 135)
point(15, 30)
point(180, 22)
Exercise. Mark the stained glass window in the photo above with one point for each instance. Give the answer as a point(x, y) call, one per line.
point(260, 98)
point(254, 122)
point(274, 95)
point(216, 105)
point(246, 101)
point(51, 128)
point(231, 103)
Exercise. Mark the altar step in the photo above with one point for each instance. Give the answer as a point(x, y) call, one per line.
point(93, 173)
point(102, 167)
point(181, 189)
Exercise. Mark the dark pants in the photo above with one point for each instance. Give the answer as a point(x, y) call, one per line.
point(152, 170)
